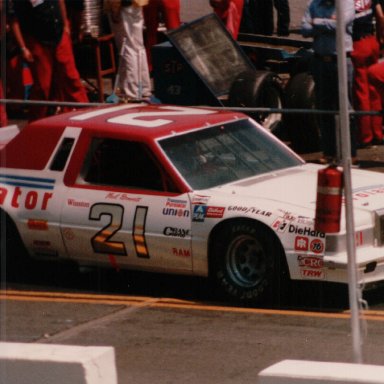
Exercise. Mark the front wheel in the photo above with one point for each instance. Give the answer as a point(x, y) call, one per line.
point(246, 262)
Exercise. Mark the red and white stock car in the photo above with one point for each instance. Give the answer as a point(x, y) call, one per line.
point(179, 190)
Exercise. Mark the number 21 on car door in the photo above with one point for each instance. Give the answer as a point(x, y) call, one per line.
point(128, 229)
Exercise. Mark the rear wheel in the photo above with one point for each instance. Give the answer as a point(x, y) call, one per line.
point(14, 258)
point(246, 262)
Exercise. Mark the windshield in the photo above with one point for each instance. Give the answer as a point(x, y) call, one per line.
point(226, 153)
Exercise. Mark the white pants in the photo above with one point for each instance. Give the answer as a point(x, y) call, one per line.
point(133, 75)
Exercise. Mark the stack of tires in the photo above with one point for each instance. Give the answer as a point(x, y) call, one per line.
point(264, 89)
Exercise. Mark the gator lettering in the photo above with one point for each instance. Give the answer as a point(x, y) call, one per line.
point(29, 200)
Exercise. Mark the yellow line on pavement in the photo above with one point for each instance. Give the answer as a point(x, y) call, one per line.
point(86, 298)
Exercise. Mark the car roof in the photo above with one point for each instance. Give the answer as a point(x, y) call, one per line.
point(139, 122)
point(146, 120)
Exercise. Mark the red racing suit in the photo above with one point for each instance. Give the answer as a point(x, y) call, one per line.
point(3, 113)
point(365, 53)
point(230, 12)
point(40, 30)
point(170, 10)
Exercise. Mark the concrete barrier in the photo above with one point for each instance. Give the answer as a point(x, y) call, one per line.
point(298, 371)
point(22, 363)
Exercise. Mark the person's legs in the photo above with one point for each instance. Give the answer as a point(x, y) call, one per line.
point(66, 78)
point(171, 12)
point(283, 17)
point(151, 19)
point(3, 113)
point(325, 78)
point(262, 16)
point(41, 69)
point(136, 78)
point(365, 97)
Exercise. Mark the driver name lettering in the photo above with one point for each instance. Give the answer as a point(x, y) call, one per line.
point(122, 196)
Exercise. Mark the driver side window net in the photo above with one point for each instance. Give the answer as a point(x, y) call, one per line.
point(112, 162)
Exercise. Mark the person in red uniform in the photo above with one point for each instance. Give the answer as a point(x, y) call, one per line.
point(170, 12)
point(230, 12)
point(41, 30)
point(366, 52)
point(376, 71)
point(3, 113)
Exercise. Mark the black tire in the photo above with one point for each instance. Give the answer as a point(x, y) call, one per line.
point(14, 257)
point(303, 129)
point(259, 89)
point(246, 263)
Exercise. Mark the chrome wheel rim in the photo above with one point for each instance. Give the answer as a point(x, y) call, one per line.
point(246, 261)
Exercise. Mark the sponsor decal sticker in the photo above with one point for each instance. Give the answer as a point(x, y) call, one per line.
point(174, 203)
point(199, 212)
point(180, 252)
point(280, 225)
point(305, 220)
point(176, 212)
point(313, 274)
point(310, 261)
point(306, 231)
point(317, 246)
point(76, 203)
point(200, 199)
point(215, 212)
point(175, 232)
point(311, 267)
point(253, 210)
point(301, 243)
point(287, 215)
point(37, 224)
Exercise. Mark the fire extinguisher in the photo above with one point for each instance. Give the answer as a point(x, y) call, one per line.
point(329, 198)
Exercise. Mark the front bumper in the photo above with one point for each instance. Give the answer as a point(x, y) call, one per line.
point(334, 267)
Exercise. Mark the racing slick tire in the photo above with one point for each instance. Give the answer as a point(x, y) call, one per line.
point(14, 256)
point(259, 89)
point(302, 128)
point(246, 263)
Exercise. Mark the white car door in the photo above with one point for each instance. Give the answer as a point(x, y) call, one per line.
point(106, 218)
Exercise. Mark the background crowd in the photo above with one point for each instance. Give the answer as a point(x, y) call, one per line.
point(40, 35)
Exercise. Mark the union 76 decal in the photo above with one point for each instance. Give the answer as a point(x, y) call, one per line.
point(103, 241)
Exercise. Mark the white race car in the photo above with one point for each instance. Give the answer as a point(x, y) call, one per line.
point(179, 190)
